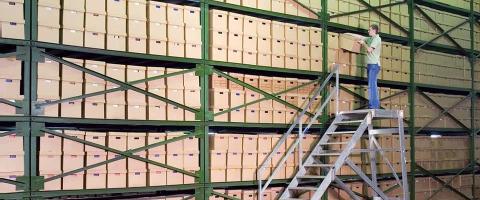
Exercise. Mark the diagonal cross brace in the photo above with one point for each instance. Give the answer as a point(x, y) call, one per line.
point(368, 9)
point(117, 82)
point(224, 196)
point(448, 182)
point(121, 88)
point(420, 10)
point(123, 154)
point(7, 102)
point(383, 16)
point(266, 94)
point(423, 170)
point(445, 111)
point(265, 98)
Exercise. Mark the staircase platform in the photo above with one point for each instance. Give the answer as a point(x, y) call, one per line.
point(376, 113)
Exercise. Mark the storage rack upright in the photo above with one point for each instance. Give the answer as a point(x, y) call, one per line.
point(31, 51)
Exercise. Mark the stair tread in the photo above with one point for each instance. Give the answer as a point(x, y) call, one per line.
point(349, 122)
point(341, 132)
point(303, 188)
point(311, 177)
point(319, 165)
point(333, 143)
point(327, 154)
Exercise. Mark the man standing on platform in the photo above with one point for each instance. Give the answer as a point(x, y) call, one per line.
point(373, 45)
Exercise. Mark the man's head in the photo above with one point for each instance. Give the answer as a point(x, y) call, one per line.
point(373, 30)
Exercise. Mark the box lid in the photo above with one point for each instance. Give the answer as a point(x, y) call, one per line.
point(236, 15)
point(48, 3)
point(157, 134)
point(175, 133)
point(74, 132)
point(138, 1)
point(219, 12)
point(117, 171)
point(117, 134)
point(191, 8)
point(142, 134)
point(100, 134)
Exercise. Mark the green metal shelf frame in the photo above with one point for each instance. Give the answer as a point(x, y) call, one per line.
point(28, 125)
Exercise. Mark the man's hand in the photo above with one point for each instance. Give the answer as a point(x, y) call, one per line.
point(361, 42)
point(369, 49)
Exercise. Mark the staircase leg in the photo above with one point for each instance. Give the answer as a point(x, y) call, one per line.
point(345, 188)
point(372, 154)
point(366, 179)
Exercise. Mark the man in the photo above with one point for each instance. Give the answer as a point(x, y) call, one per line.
point(373, 45)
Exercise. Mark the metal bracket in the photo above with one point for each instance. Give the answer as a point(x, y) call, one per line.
point(37, 55)
point(37, 129)
point(37, 109)
point(37, 183)
point(206, 68)
point(208, 115)
point(23, 128)
point(21, 53)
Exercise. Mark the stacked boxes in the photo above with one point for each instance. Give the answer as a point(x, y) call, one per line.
point(11, 156)
point(227, 94)
point(12, 19)
point(117, 171)
point(157, 110)
point(137, 26)
point(116, 23)
point(95, 24)
point(10, 78)
point(50, 159)
point(48, 86)
point(183, 154)
point(73, 23)
point(49, 21)
point(249, 40)
point(68, 82)
point(57, 155)
point(447, 152)
point(96, 177)
point(237, 157)
point(73, 158)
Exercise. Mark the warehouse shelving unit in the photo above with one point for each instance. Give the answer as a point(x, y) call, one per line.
point(28, 125)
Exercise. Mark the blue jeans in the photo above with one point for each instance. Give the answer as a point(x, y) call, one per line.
point(374, 101)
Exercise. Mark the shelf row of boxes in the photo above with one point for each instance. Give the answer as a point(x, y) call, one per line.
point(426, 110)
point(168, 29)
point(12, 20)
point(57, 155)
point(289, 7)
point(12, 158)
point(236, 157)
point(249, 40)
point(270, 193)
point(227, 94)
point(446, 152)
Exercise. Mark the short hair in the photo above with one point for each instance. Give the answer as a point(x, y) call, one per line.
point(374, 27)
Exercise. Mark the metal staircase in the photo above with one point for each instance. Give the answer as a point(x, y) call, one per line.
point(320, 168)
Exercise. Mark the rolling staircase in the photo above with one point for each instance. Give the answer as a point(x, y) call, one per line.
point(319, 170)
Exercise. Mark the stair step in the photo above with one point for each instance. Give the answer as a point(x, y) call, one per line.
point(319, 165)
point(341, 132)
point(333, 143)
point(303, 188)
point(356, 111)
point(349, 122)
point(311, 177)
point(326, 154)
